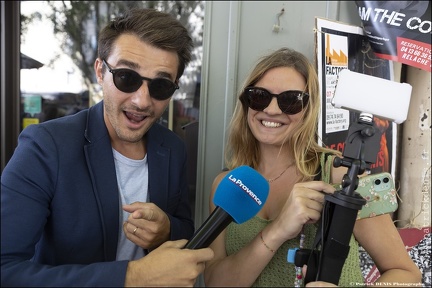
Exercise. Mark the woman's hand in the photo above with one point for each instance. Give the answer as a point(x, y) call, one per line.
point(316, 283)
point(303, 206)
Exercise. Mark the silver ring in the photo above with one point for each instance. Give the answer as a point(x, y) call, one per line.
point(136, 228)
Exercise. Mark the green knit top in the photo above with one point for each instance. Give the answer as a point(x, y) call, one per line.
point(278, 272)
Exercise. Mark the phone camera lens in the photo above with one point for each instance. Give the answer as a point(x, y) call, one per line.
point(377, 182)
point(386, 180)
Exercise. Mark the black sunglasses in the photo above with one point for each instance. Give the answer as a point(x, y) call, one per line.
point(290, 102)
point(128, 81)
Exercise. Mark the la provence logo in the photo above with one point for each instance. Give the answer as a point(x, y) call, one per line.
point(239, 183)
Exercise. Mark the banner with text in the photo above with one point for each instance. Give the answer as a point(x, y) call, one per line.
point(399, 30)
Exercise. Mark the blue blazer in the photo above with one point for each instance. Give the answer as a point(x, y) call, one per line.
point(60, 204)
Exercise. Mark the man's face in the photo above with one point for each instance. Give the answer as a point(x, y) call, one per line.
point(128, 116)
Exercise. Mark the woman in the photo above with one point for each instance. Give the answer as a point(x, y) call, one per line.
point(274, 130)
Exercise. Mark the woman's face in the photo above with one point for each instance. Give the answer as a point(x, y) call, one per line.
point(271, 126)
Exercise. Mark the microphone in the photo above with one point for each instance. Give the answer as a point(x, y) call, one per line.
point(240, 195)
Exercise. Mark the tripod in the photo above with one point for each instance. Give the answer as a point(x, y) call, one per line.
point(331, 245)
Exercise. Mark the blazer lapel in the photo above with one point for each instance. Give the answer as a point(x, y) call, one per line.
point(158, 162)
point(100, 161)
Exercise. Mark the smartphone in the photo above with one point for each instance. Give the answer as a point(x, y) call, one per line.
point(379, 192)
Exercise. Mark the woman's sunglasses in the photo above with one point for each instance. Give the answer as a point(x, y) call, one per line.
point(128, 81)
point(290, 102)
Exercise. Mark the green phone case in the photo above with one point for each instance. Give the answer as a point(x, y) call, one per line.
point(379, 192)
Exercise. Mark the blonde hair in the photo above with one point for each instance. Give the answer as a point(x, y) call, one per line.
point(243, 148)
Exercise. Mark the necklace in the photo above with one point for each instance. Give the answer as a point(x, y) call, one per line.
point(277, 177)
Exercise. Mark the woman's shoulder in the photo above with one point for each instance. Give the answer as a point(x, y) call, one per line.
point(220, 176)
point(218, 179)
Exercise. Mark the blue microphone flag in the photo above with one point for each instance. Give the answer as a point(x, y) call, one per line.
point(242, 193)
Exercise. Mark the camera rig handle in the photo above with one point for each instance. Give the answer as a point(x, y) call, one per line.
point(331, 246)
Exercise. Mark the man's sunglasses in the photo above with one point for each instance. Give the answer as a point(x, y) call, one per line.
point(290, 102)
point(128, 81)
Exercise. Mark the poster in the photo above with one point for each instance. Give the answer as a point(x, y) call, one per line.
point(342, 46)
point(399, 30)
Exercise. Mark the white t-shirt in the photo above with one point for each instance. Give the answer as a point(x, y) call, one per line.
point(132, 179)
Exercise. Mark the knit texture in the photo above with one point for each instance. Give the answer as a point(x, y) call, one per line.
point(278, 272)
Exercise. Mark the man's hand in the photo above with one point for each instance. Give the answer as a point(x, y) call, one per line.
point(147, 225)
point(168, 265)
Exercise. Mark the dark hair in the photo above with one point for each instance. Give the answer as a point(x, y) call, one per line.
point(156, 28)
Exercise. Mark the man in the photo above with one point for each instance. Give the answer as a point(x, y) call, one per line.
point(93, 199)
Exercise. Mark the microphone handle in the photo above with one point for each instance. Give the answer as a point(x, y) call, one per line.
point(218, 220)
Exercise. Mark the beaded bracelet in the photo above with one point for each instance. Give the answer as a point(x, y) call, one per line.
point(299, 274)
point(262, 240)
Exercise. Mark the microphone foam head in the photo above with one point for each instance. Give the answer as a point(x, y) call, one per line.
point(242, 193)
